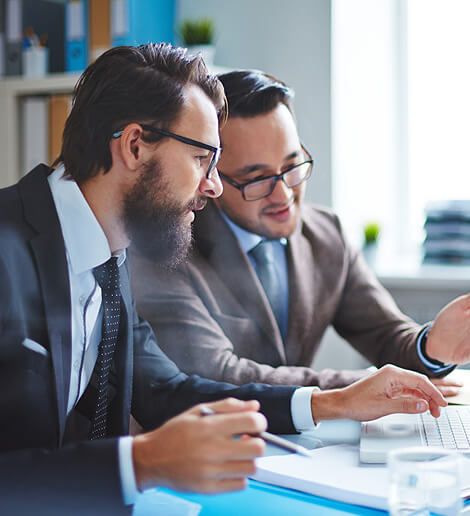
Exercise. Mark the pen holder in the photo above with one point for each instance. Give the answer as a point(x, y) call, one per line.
point(35, 61)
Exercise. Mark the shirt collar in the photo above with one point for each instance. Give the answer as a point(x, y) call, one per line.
point(246, 239)
point(85, 242)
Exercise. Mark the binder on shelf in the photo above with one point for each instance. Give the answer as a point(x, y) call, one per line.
point(76, 35)
point(13, 36)
point(99, 17)
point(2, 37)
point(134, 22)
point(34, 131)
point(59, 109)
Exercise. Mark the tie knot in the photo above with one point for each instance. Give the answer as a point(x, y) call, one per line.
point(263, 252)
point(107, 274)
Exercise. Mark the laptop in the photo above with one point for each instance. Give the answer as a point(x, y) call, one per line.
point(451, 430)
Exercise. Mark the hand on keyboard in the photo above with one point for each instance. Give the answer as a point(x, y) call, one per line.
point(389, 390)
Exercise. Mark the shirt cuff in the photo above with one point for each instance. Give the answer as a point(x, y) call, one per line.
point(126, 471)
point(433, 367)
point(301, 408)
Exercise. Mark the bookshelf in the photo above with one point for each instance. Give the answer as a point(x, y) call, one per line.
point(12, 91)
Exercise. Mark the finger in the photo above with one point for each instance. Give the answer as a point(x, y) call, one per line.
point(446, 382)
point(239, 423)
point(449, 391)
point(422, 384)
point(415, 393)
point(229, 405)
point(224, 485)
point(230, 469)
point(434, 409)
point(247, 448)
point(407, 406)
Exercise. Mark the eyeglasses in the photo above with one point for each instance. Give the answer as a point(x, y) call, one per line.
point(264, 186)
point(189, 141)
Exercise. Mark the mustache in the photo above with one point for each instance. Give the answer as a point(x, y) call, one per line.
point(198, 203)
point(280, 206)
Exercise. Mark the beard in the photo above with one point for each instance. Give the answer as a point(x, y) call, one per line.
point(154, 222)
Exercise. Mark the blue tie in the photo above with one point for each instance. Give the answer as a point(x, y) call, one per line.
point(263, 254)
point(107, 276)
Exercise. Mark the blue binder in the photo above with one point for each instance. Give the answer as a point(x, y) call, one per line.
point(76, 35)
point(134, 22)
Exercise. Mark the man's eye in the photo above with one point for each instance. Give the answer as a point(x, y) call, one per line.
point(202, 159)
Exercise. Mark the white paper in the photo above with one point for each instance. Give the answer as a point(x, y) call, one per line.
point(75, 21)
point(119, 19)
point(35, 132)
point(333, 472)
point(13, 21)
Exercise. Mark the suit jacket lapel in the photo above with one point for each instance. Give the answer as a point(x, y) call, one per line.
point(49, 252)
point(124, 357)
point(220, 247)
point(300, 261)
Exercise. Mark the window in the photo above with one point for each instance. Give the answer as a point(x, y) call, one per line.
point(401, 112)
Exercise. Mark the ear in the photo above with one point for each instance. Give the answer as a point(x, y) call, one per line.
point(130, 146)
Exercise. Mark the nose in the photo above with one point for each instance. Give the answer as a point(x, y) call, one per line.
point(211, 187)
point(281, 194)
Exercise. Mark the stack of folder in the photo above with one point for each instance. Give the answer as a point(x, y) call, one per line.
point(447, 230)
point(78, 31)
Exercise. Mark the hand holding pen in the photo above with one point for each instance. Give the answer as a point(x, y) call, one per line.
point(275, 440)
point(191, 452)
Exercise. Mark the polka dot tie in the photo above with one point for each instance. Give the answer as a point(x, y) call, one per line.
point(107, 276)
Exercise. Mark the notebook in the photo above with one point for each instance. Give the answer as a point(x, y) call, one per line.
point(451, 430)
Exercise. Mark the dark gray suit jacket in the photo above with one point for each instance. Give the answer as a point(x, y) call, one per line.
point(211, 315)
point(38, 474)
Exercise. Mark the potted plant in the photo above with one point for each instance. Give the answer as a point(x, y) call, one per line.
point(371, 236)
point(198, 37)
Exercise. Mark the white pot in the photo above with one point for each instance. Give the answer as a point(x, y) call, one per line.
point(207, 52)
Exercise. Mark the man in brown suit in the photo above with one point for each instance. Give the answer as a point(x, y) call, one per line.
point(226, 316)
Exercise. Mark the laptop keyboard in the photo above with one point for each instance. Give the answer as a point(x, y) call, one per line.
point(451, 430)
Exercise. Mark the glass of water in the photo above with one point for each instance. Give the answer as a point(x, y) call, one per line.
point(424, 480)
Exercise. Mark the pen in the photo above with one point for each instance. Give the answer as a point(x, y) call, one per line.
point(270, 438)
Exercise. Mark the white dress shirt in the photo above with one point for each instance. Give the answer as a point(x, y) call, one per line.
point(86, 247)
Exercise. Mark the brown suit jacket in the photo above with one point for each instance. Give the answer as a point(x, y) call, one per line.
point(211, 315)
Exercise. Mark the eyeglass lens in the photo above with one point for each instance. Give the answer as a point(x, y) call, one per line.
point(265, 187)
point(213, 164)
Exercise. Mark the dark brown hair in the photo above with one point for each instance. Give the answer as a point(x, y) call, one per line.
point(142, 84)
point(252, 92)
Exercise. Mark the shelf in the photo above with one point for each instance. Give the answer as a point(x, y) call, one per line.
point(406, 271)
point(53, 83)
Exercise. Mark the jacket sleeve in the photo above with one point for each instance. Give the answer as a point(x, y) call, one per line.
point(369, 319)
point(180, 307)
point(74, 480)
point(161, 390)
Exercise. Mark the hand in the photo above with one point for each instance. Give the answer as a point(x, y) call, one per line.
point(448, 340)
point(387, 391)
point(446, 386)
point(195, 453)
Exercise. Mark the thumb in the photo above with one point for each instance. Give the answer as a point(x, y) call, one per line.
point(407, 406)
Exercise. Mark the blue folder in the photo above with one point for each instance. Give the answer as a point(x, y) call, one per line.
point(260, 499)
point(76, 35)
point(134, 22)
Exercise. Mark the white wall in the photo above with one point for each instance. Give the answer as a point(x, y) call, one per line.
point(290, 40)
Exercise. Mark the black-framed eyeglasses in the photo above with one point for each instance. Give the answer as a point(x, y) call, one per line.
point(189, 141)
point(264, 186)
